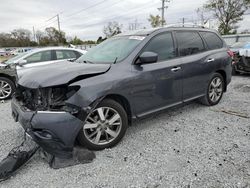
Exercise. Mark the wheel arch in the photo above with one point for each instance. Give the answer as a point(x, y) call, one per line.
point(122, 101)
point(8, 76)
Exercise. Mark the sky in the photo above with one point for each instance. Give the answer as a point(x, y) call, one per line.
point(86, 18)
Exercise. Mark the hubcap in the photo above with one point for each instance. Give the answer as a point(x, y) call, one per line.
point(102, 126)
point(215, 89)
point(5, 89)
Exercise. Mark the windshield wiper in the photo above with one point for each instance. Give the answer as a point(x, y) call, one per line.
point(88, 62)
point(115, 60)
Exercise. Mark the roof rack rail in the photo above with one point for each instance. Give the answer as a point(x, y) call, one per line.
point(185, 25)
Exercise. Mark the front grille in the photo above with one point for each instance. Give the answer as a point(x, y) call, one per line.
point(41, 99)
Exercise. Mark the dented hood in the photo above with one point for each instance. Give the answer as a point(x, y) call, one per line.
point(60, 73)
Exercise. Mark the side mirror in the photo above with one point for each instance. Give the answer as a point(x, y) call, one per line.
point(22, 62)
point(147, 57)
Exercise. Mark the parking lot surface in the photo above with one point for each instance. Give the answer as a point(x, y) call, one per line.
point(189, 146)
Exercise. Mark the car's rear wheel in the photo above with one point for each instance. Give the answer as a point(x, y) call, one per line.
point(7, 88)
point(105, 126)
point(214, 91)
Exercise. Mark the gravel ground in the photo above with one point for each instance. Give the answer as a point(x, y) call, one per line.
point(190, 146)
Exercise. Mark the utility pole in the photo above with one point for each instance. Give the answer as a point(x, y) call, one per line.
point(162, 9)
point(58, 23)
point(134, 25)
point(34, 34)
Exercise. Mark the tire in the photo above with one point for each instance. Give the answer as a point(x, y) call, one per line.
point(234, 72)
point(112, 125)
point(7, 88)
point(207, 99)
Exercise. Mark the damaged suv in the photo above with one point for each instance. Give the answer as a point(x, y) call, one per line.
point(124, 78)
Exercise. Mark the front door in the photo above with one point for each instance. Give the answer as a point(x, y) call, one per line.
point(158, 85)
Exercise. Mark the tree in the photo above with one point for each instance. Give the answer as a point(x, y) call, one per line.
point(76, 41)
point(204, 18)
point(155, 21)
point(113, 28)
point(22, 37)
point(228, 13)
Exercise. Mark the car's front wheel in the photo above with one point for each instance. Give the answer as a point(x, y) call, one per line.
point(214, 90)
point(7, 88)
point(105, 126)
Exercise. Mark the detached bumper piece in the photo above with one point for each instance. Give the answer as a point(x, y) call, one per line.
point(14, 161)
point(54, 131)
point(80, 156)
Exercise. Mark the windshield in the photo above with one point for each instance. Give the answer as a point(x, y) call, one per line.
point(12, 60)
point(111, 50)
point(240, 44)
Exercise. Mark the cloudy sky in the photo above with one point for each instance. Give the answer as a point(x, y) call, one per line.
point(86, 18)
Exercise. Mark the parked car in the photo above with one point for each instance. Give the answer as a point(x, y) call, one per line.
point(241, 52)
point(18, 51)
point(3, 53)
point(122, 79)
point(30, 60)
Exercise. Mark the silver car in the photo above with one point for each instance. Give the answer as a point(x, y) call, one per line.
point(32, 60)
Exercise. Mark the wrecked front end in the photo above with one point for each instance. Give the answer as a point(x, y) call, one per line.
point(242, 61)
point(48, 119)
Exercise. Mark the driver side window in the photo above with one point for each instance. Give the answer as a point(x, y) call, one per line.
point(161, 44)
point(39, 57)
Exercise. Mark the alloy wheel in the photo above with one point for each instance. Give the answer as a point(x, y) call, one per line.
point(102, 126)
point(215, 89)
point(5, 89)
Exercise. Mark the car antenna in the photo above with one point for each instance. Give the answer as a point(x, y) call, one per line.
point(115, 60)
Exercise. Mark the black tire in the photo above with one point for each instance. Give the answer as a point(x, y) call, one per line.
point(12, 86)
point(206, 99)
point(234, 71)
point(84, 141)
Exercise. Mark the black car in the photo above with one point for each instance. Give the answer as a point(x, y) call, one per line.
point(122, 79)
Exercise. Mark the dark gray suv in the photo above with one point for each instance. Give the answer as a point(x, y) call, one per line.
point(124, 78)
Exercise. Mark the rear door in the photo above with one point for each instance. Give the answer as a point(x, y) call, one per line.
point(192, 51)
point(158, 85)
point(62, 55)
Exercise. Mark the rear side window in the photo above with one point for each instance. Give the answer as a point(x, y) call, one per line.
point(161, 44)
point(189, 43)
point(65, 54)
point(212, 40)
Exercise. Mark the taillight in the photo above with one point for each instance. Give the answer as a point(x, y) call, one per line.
point(231, 54)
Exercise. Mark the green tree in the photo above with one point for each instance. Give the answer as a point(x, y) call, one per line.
point(113, 28)
point(155, 21)
point(76, 41)
point(228, 13)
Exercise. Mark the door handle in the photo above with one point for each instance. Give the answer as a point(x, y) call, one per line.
point(175, 69)
point(210, 60)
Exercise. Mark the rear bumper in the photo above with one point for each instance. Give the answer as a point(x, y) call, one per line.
point(55, 132)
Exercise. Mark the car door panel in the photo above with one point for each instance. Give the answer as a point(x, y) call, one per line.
point(156, 86)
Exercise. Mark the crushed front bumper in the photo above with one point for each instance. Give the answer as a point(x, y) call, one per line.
point(54, 131)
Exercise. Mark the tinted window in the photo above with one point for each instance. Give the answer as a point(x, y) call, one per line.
point(189, 43)
point(212, 40)
point(39, 57)
point(162, 45)
point(65, 54)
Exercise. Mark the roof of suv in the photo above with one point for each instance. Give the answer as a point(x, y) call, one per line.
point(150, 31)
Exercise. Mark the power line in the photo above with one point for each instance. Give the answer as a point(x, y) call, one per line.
point(110, 18)
point(92, 6)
